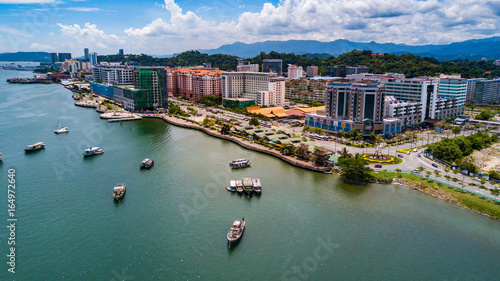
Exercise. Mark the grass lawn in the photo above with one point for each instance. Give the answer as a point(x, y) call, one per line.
point(469, 200)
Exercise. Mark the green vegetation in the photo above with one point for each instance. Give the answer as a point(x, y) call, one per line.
point(469, 200)
point(176, 110)
point(355, 170)
point(211, 100)
point(484, 115)
point(409, 64)
point(253, 121)
point(457, 150)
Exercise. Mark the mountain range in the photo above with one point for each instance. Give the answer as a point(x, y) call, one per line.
point(474, 49)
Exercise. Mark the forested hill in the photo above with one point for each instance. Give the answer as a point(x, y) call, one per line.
point(410, 65)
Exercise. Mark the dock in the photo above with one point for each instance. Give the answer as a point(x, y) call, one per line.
point(124, 119)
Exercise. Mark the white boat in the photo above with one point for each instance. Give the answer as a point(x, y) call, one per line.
point(236, 231)
point(61, 130)
point(239, 163)
point(34, 147)
point(257, 188)
point(119, 191)
point(232, 185)
point(93, 151)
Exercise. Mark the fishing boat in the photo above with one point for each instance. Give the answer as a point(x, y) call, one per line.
point(93, 151)
point(239, 163)
point(147, 163)
point(119, 191)
point(247, 185)
point(232, 185)
point(239, 186)
point(34, 147)
point(61, 130)
point(257, 188)
point(236, 231)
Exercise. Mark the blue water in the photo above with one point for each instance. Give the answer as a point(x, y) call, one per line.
point(173, 221)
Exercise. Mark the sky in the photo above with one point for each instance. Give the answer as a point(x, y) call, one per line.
point(172, 26)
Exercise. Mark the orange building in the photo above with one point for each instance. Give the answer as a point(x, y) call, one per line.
point(193, 84)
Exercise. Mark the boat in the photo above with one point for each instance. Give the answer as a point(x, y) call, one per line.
point(232, 185)
point(61, 130)
point(119, 191)
point(257, 188)
point(239, 163)
point(236, 231)
point(247, 185)
point(1, 156)
point(147, 163)
point(35, 146)
point(93, 151)
point(239, 186)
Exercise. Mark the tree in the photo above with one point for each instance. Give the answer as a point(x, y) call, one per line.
point(437, 173)
point(306, 128)
point(225, 129)
point(494, 174)
point(254, 121)
point(484, 115)
point(427, 173)
point(320, 155)
point(355, 170)
point(495, 191)
point(344, 153)
point(302, 151)
point(421, 168)
point(456, 130)
point(288, 149)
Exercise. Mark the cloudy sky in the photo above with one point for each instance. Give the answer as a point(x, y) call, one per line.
point(167, 27)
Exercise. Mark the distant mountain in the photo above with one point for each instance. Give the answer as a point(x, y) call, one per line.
point(471, 49)
point(25, 56)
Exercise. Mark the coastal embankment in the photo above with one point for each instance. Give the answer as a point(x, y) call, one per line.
point(244, 143)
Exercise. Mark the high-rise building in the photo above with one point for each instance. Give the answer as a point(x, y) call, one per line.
point(246, 66)
point(273, 65)
point(53, 59)
point(64, 56)
point(471, 88)
point(312, 71)
point(294, 72)
point(194, 84)
point(343, 71)
point(453, 88)
point(264, 88)
point(86, 54)
point(487, 91)
point(113, 73)
point(120, 52)
point(93, 59)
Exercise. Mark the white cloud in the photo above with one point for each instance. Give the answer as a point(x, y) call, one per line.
point(26, 1)
point(82, 9)
point(410, 22)
point(40, 47)
point(91, 36)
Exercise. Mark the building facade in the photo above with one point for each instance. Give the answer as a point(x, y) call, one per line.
point(64, 56)
point(487, 91)
point(86, 54)
point(305, 90)
point(93, 59)
point(294, 72)
point(246, 66)
point(272, 65)
point(194, 84)
point(113, 73)
point(312, 71)
point(453, 88)
point(471, 89)
point(264, 88)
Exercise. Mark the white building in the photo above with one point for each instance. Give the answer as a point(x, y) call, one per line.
point(113, 73)
point(264, 88)
point(294, 72)
point(453, 87)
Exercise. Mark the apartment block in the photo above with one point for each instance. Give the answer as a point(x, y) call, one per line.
point(194, 84)
point(112, 73)
point(453, 88)
point(264, 88)
point(471, 89)
point(487, 91)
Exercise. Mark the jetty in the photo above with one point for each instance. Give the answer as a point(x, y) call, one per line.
point(124, 119)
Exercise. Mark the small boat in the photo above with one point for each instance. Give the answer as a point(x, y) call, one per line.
point(232, 185)
point(35, 146)
point(257, 188)
point(239, 186)
point(93, 151)
point(228, 188)
point(61, 130)
point(147, 163)
point(247, 185)
point(236, 231)
point(1, 156)
point(119, 191)
point(239, 163)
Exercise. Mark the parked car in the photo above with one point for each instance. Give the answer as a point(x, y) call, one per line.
point(378, 165)
point(408, 153)
point(415, 150)
point(434, 165)
point(416, 171)
point(420, 155)
point(400, 156)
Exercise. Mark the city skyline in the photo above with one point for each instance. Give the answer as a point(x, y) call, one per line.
point(161, 28)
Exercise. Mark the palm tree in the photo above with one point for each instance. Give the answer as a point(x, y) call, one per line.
point(358, 156)
point(344, 153)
